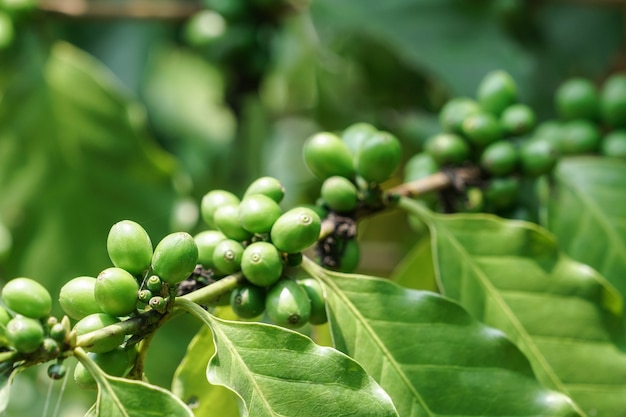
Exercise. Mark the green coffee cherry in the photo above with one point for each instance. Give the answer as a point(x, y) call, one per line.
point(538, 157)
point(226, 220)
point(212, 201)
point(501, 194)
point(257, 213)
point(57, 371)
point(157, 303)
point(496, 92)
point(482, 128)
point(248, 301)
point(27, 297)
point(5, 317)
point(95, 322)
point(50, 346)
point(154, 284)
point(580, 136)
point(517, 119)
point(129, 246)
point(115, 363)
point(315, 292)
point(326, 155)
point(551, 131)
point(144, 296)
point(378, 157)
point(354, 135)
point(448, 149)
point(268, 186)
point(116, 292)
point(204, 28)
point(175, 257)
point(77, 297)
point(206, 242)
point(613, 101)
point(473, 202)
point(614, 144)
point(339, 194)
point(419, 166)
point(296, 230)
point(227, 256)
point(261, 264)
point(499, 158)
point(25, 334)
point(577, 98)
point(287, 304)
point(454, 113)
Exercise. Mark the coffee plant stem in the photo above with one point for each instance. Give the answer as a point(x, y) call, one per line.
point(212, 291)
point(7, 356)
point(135, 9)
point(142, 324)
point(438, 181)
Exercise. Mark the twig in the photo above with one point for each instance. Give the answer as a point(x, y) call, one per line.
point(134, 9)
point(438, 181)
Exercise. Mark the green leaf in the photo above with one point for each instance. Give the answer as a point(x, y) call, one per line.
point(419, 258)
point(279, 372)
point(562, 314)
point(190, 383)
point(420, 346)
point(587, 214)
point(185, 97)
point(6, 379)
point(119, 397)
point(75, 157)
point(432, 36)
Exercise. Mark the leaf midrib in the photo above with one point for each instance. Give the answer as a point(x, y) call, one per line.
point(339, 293)
point(596, 213)
point(512, 319)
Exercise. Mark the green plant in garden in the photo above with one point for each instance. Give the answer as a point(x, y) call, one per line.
point(394, 349)
point(485, 315)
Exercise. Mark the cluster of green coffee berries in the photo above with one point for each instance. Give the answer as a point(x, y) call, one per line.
point(253, 236)
point(27, 328)
point(141, 279)
point(11, 12)
point(592, 120)
point(489, 132)
point(351, 166)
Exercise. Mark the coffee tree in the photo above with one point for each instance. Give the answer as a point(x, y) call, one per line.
point(509, 301)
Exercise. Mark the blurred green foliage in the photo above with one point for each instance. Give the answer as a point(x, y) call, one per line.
point(103, 119)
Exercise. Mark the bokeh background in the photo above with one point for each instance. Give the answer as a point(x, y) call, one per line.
point(134, 109)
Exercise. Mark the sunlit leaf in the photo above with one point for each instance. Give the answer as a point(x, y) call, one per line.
point(416, 269)
point(587, 213)
point(562, 314)
point(75, 157)
point(429, 354)
point(279, 372)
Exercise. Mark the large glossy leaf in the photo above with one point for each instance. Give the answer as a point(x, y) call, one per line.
point(75, 157)
point(190, 383)
point(120, 397)
point(429, 354)
point(416, 269)
point(587, 213)
point(562, 314)
point(432, 36)
point(279, 372)
point(127, 398)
